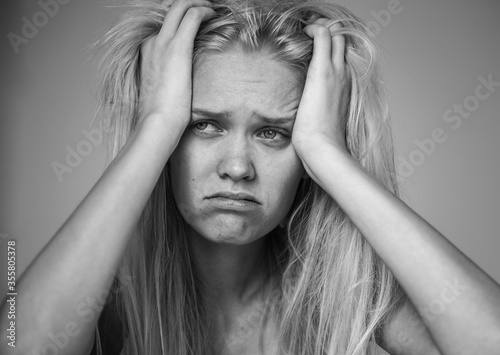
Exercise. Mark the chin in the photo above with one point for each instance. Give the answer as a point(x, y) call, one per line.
point(233, 236)
point(233, 232)
point(231, 239)
point(229, 228)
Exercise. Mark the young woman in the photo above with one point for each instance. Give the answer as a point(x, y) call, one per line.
point(251, 205)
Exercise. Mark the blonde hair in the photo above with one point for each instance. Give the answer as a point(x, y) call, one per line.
point(331, 291)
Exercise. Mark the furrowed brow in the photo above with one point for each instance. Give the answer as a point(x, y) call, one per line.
point(277, 120)
point(210, 114)
point(227, 114)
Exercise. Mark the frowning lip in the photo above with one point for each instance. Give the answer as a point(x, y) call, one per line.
point(235, 196)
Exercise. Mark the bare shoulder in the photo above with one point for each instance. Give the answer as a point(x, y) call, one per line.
point(406, 333)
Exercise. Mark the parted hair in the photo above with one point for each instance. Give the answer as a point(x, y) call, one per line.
point(330, 292)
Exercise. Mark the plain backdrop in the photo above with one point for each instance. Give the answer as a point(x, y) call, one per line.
point(435, 54)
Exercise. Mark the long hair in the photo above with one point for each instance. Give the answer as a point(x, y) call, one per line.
point(330, 291)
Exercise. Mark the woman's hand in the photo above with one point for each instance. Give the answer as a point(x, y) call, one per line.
point(457, 300)
point(321, 115)
point(166, 65)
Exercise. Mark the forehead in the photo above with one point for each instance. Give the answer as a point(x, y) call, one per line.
point(236, 81)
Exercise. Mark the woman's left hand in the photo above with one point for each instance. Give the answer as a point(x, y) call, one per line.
point(322, 111)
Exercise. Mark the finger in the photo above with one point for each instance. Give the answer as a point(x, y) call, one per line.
point(190, 25)
point(325, 22)
point(322, 45)
point(338, 41)
point(338, 46)
point(339, 51)
point(175, 15)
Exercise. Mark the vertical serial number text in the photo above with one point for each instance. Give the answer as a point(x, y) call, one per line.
point(11, 292)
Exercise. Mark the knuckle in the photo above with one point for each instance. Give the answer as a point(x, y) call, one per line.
point(194, 13)
point(336, 26)
point(323, 31)
point(339, 38)
point(191, 3)
point(182, 3)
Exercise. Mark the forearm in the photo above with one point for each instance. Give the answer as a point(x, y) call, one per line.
point(458, 301)
point(68, 280)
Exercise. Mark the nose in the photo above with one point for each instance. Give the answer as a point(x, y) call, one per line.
point(236, 161)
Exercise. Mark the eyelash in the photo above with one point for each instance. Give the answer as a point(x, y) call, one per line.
point(283, 133)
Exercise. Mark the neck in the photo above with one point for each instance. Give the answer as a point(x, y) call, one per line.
point(232, 274)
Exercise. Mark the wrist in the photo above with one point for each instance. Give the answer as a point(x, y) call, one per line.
point(312, 145)
point(160, 132)
point(162, 120)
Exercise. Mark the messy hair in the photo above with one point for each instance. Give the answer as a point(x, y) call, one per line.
point(330, 291)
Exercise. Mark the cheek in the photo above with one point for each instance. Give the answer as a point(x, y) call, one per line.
point(189, 172)
point(283, 181)
point(181, 174)
point(183, 182)
point(183, 164)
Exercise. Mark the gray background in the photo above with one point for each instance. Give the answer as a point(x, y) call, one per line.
point(434, 53)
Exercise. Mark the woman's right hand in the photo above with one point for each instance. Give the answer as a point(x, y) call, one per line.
point(81, 259)
point(166, 65)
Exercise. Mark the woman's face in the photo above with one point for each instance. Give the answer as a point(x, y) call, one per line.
point(235, 172)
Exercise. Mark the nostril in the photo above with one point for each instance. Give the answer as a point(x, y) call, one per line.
point(236, 168)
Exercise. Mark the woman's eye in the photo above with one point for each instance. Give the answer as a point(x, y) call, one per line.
point(204, 127)
point(273, 134)
point(270, 134)
point(201, 125)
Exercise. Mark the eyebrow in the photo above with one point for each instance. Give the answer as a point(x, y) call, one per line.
point(227, 114)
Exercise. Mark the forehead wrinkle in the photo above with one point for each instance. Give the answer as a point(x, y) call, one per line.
point(234, 82)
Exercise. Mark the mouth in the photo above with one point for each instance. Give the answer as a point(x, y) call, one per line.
point(236, 196)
